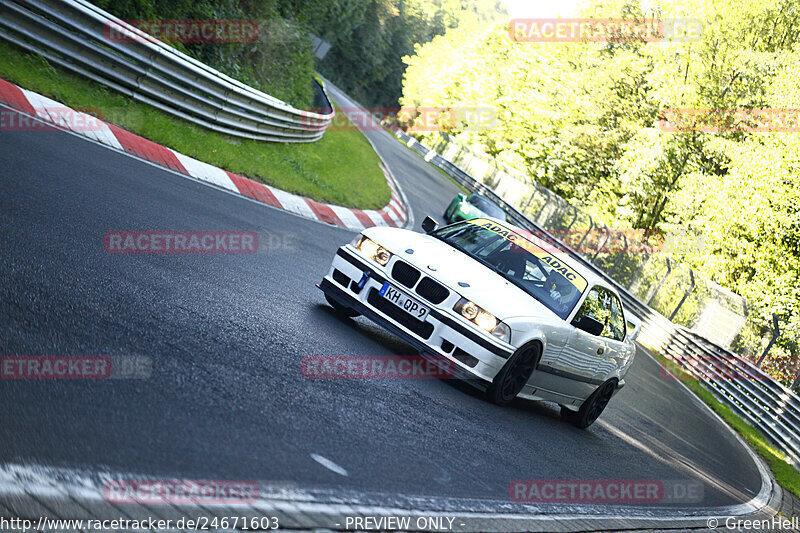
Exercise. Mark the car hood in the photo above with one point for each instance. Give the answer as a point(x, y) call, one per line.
point(441, 261)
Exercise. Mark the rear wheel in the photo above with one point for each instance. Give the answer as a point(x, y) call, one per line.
point(515, 374)
point(593, 406)
point(341, 309)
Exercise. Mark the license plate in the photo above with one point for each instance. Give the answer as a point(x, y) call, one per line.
point(409, 305)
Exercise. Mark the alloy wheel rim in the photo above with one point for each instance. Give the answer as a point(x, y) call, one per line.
point(600, 403)
point(518, 374)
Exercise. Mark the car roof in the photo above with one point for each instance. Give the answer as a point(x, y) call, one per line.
point(588, 274)
point(479, 195)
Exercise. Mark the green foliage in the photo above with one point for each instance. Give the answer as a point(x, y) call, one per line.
point(370, 37)
point(280, 62)
point(584, 119)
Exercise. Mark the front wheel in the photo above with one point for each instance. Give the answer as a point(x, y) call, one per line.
point(514, 375)
point(592, 407)
point(341, 309)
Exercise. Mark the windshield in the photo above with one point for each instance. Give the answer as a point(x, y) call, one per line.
point(485, 205)
point(538, 272)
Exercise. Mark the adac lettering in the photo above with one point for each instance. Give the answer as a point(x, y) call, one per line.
point(578, 281)
point(511, 236)
point(550, 260)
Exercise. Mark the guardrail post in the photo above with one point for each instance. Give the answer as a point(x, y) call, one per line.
point(615, 266)
point(547, 193)
point(660, 283)
point(529, 201)
point(591, 227)
point(574, 218)
point(685, 296)
point(776, 331)
point(608, 236)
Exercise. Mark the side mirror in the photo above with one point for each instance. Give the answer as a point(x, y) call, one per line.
point(429, 225)
point(634, 327)
point(461, 196)
point(590, 325)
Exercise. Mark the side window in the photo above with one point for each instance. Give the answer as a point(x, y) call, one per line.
point(593, 306)
point(533, 272)
point(604, 306)
point(615, 328)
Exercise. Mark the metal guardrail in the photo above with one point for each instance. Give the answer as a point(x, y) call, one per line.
point(74, 34)
point(759, 399)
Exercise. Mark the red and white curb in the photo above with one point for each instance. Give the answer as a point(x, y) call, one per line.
point(395, 213)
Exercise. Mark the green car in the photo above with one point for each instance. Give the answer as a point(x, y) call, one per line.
point(465, 207)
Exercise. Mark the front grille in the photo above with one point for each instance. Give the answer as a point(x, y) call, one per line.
point(464, 357)
point(355, 288)
point(340, 277)
point(423, 329)
point(432, 291)
point(405, 274)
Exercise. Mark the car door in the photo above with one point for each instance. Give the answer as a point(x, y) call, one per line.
point(614, 332)
point(585, 355)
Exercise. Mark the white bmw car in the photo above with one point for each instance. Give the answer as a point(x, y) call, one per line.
point(506, 310)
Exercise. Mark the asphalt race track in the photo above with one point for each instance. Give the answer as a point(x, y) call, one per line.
point(226, 333)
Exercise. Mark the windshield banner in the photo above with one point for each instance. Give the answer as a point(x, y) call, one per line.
point(560, 266)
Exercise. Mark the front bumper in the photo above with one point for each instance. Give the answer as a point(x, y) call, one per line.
point(441, 335)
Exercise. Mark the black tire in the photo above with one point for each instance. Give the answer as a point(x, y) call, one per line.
point(341, 309)
point(593, 407)
point(568, 414)
point(513, 376)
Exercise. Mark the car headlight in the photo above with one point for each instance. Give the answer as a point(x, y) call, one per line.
point(373, 250)
point(483, 319)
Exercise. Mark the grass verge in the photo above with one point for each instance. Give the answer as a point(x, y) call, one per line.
point(341, 168)
point(785, 474)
